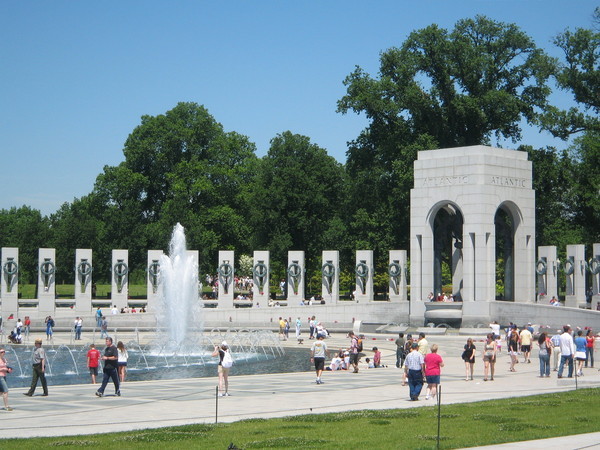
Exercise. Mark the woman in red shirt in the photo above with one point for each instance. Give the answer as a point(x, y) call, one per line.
point(433, 365)
point(589, 348)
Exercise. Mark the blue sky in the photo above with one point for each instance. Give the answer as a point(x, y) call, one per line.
point(76, 76)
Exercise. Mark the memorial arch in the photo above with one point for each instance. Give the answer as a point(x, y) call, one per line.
point(472, 227)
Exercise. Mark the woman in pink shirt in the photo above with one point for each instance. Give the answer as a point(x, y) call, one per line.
point(433, 365)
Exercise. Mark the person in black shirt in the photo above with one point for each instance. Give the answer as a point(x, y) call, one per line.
point(110, 359)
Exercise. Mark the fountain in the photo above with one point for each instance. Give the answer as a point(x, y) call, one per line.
point(178, 313)
point(181, 349)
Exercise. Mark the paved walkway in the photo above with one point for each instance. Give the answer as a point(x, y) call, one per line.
point(73, 410)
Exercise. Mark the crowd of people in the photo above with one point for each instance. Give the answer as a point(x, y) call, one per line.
point(421, 363)
point(569, 348)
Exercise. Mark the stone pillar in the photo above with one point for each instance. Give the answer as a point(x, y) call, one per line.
point(261, 276)
point(296, 274)
point(479, 273)
point(330, 277)
point(10, 281)
point(524, 288)
point(46, 280)
point(83, 280)
point(120, 278)
point(575, 276)
point(153, 280)
point(226, 274)
point(594, 267)
point(364, 276)
point(397, 275)
point(546, 269)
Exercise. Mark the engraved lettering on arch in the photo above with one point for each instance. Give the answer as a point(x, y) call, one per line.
point(445, 181)
point(508, 181)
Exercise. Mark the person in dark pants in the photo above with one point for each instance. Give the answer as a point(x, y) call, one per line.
point(39, 369)
point(110, 358)
point(400, 350)
point(414, 370)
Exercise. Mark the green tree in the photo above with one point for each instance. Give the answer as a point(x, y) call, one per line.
point(555, 202)
point(297, 198)
point(586, 185)
point(180, 166)
point(79, 225)
point(26, 229)
point(579, 74)
point(459, 87)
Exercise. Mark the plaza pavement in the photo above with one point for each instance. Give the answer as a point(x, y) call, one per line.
point(74, 409)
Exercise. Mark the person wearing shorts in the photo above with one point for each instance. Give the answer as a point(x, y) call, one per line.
point(318, 353)
point(489, 357)
point(93, 356)
point(4, 370)
point(433, 365)
point(526, 338)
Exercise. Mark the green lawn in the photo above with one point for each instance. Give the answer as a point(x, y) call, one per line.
point(463, 425)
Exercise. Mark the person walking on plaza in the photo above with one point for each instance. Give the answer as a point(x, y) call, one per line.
point(281, 329)
point(354, 351)
point(468, 356)
point(49, 327)
point(513, 347)
point(318, 353)
point(526, 338)
point(580, 353)
point(414, 371)
point(589, 348)
point(4, 370)
point(38, 359)
point(93, 358)
point(298, 328)
point(225, 364)
point(433, 371)
point(103, 327)
point(400, 350)
point(110, 358)
point(423, 344)
point(122, 361)
point(78, 327)
point(545, 345)
point(489, 357)
point(27, 326)
point(567, 351)
point(555, 350)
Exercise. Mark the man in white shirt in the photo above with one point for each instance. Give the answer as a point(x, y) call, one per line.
point(495, 326)
point(567, 349)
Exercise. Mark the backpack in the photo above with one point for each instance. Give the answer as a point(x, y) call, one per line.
point(359, 345)
point(227, 359)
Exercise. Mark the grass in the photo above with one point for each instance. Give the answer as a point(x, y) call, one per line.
point(463, 425)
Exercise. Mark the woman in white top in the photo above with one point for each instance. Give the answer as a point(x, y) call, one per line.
point(122, 361)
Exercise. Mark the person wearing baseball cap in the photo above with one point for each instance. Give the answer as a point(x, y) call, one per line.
point(38, 360)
